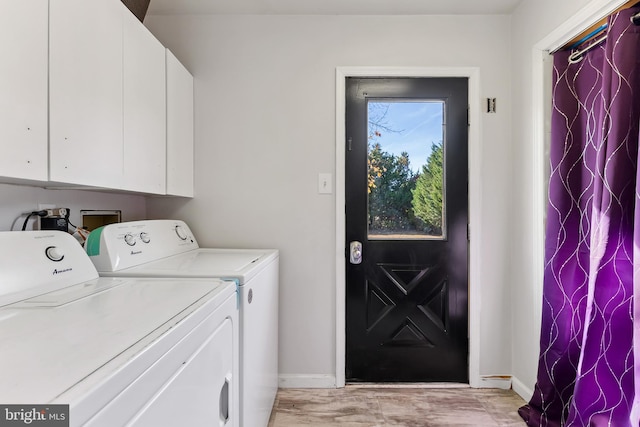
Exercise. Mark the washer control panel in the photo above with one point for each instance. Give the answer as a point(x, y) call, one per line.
point(123, 245)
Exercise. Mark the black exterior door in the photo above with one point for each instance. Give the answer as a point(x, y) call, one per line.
point(406, 230)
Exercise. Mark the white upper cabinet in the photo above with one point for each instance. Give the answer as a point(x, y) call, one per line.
point(145, 123)
point(179, 128)
point(23, 89)
point(90, 98)
point(86, 92)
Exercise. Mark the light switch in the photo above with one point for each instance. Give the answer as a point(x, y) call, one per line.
point(325, 186)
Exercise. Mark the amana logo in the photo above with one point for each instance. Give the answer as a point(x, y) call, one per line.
point(136, 252)
point(66, 270)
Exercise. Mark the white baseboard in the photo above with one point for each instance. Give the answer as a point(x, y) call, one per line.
point(306, 381)
point(519, 387)
point(493, 381)
point(329, 381)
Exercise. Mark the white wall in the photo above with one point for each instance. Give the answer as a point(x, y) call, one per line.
point(17, 200)
point(265, 113)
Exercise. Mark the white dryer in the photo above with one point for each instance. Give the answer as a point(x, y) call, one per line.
point(118, 351)
point(168, 248)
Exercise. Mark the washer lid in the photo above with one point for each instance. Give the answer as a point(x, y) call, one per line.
point(241, 264)
point(56, 354)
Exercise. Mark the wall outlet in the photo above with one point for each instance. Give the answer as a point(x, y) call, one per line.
point(52, 210)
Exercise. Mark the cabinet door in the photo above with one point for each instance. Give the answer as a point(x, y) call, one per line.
point(145, 135)
point(85, 68)
point(23, 89)
point(179, 128)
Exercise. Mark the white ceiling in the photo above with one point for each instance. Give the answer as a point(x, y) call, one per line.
point(334, 7)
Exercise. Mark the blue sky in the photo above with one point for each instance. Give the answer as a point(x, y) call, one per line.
point(418, 124)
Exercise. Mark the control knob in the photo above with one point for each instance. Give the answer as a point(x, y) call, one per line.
point(54, 254)
point(181, 233)
point(145, 237)
point(129, 239)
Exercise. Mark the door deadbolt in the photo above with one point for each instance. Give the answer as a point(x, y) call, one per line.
point(355, 252)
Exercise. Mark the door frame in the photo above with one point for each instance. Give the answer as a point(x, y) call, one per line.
point(475, 206)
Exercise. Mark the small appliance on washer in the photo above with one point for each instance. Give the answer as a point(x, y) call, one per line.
point(118, 351)
point(167, 248)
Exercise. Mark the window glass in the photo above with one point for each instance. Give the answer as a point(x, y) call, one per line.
point(405, 163)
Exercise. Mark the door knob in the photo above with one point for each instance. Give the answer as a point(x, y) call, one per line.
point(355, 252)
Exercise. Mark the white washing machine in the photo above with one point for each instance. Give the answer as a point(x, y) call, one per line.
point(119, 351)
point(167, 248)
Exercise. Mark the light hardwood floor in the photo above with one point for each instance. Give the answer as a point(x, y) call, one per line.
point(373, 406)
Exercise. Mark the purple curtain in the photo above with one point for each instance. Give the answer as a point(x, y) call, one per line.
point(586, 367)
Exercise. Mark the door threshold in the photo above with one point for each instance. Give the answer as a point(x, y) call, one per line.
point(407, 385)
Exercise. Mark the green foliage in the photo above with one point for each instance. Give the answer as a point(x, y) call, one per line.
point(390, 183)
point(401, 201)
point(427, 195)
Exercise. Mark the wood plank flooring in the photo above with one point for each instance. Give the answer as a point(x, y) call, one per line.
point(375, 406)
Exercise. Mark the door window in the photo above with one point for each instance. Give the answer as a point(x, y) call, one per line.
point(405, 164)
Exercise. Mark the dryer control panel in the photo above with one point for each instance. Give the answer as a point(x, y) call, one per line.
point(119, 246)
point(35, 262)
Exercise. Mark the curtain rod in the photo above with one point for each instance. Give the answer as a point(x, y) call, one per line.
point(589, 36)
point(576, 56)
point(593, 30)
